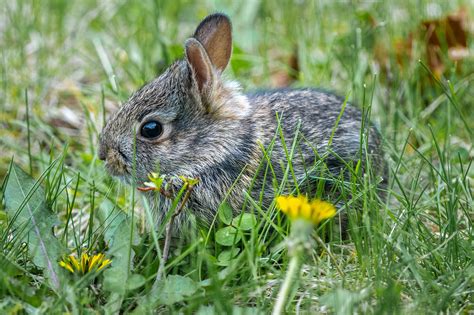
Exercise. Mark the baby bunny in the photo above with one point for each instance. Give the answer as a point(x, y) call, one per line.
point(191, 121)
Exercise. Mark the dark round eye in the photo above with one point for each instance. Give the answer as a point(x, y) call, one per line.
point(151, 129)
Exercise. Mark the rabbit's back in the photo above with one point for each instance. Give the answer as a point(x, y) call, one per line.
point(324, 130)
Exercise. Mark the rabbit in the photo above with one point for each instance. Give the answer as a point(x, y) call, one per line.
point(192, 121)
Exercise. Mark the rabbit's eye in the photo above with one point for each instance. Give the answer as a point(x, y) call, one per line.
point(151, 129)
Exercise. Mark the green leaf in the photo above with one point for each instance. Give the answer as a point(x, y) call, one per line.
point(245, 221)
point(120, 238)
point(26, 206)
point(225, 257)
point(225, 213)
point(167, 291)
point(135, 281)
point(175, 288)
point(227, 236)
point(3, 216)
point(9, 268)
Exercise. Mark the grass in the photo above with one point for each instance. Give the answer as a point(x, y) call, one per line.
point(65, 65)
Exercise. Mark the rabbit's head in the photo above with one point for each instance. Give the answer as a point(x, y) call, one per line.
point(186, 120)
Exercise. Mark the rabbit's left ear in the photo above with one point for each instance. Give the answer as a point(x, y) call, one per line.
point(199, 61)
point(215, 35)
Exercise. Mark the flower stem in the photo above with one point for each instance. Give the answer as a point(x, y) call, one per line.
point(300, 232)
point(293, 269)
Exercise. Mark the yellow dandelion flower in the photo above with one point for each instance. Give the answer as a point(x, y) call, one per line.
point(298, 207)
point(322, 210)
point(104, 264)
point(87, 263)
point(95, 260)
point(84, 262)
point(68, 266)
point(74, 262)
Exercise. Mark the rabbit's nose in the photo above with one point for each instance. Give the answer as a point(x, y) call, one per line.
point(102, 152)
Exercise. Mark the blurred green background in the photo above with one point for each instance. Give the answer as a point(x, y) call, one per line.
point(69, 55)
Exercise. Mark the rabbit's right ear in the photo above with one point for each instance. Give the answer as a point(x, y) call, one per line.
point(207, 54)
point(215, 35)
point(210, 48)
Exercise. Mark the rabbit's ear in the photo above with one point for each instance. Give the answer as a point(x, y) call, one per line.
point(215, 35)
point(207, 54)
point(199, 61)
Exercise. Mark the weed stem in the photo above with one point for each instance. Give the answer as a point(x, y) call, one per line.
point(169, 228)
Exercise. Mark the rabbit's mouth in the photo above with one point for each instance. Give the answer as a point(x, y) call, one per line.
point(117, 170)
point(119, 166)
point(116, 164)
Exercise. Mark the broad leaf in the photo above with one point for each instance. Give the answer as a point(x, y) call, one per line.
point(166, 291)
point(175, 288)
point(245, 221)
point(34, 221)
point(226, 256)
point(225, 213)
point(135, 281)
point(227, 236)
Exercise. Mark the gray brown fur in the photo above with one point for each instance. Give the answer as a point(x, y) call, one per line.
point(213, 131)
